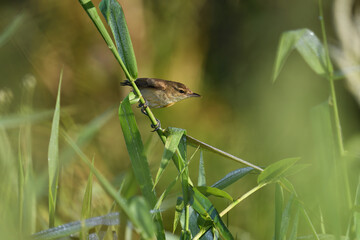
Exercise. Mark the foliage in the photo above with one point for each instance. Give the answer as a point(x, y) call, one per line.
point(194, 209)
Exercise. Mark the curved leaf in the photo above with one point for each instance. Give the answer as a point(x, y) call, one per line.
point(309, 47)
point(112, 219)
point(204, 207)
point(138, 159)
point(53, 158)
point(276, 170)
point(171, 144)
point(114, 15)
point(139, 208)
point(207, 191)
point(232, 177)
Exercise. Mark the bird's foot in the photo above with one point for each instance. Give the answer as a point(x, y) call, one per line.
point(143, 108)
point(157, 126)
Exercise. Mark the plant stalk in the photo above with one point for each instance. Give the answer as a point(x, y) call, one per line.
point(340, 143)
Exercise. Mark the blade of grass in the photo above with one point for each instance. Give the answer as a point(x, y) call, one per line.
point(201, 175)
point(295, 224)
point(112, 219)
point(180, 161)
point(138, 159)
point(174, 136)
point(285, 218)
point(114, 16)
point(11, 29)
point(232, 177)
point(86, 206)
point(107, 186)
point(240, 199)
point(231, 206)
point(87, 133)
point(8, 182)
point(16, 120)
point(140, 209)
point(21, 177)
point(329, 190)
point(357, 213)
point(279, 202)
point(207, 191)
point(204, 207)
point(311, 225)
point(178, 210)
point(94, 16)
point(276, 170)
point(29, 208)
point(53, 158)
point(335, 112)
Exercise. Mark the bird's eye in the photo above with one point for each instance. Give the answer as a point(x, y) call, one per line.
point(181, 91)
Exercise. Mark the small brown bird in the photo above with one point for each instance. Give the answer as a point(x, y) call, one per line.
point(159, 93)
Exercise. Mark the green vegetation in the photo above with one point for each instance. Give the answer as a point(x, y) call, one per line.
point(135, 203)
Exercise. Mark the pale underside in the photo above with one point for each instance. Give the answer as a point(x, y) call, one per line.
point(158, 98)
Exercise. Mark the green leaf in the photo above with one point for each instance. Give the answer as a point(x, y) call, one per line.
point(11, 29)
point(232, 177)
point(114, 15)
point(53, 158)
point(295, 223)
point(139, 208)
point(165, 193)
point(111, 219)
point(86, 207)
point(9, 185)
point(309, 47)
point(138, 159)
point(135, 149)
point(357, 213)
point(279, 201)
point(285, 218)
point(178, 210)
point(326, 160)
point(201, 177)
point(172, 142)
point(207, 191)
point(287, 185)
point(87, 133)
point(107, 186)
point(16, 120)
point(276, 170)
point(193, 221)
point(204, 207)
point(133, 99)
point(185, 235)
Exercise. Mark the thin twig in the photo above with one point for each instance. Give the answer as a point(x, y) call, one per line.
point(196, 142)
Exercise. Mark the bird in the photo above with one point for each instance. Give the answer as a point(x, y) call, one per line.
point(160, 93)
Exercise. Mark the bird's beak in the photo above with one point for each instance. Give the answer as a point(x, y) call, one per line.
point(194, 95)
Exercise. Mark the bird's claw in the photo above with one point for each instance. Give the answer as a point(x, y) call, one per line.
point(143, 108)
point(157, 126)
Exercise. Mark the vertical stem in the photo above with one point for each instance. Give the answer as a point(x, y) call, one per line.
point(340, 143)
point(331, 80)
point(307, 218)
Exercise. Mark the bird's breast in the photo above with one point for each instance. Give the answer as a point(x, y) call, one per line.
point(156, 98)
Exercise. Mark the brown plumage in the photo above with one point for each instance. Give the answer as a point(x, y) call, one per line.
point(160, 93)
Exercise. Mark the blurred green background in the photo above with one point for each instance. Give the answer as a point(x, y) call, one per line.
point(223, 50)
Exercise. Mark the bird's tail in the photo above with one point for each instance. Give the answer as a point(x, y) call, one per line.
point(125, 83)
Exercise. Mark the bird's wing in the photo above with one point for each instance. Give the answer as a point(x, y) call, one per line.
point(150, 83)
